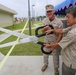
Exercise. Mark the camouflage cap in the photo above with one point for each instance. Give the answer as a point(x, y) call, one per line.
point(49, 7)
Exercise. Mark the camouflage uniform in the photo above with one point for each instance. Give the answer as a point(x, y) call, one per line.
point(57, 24)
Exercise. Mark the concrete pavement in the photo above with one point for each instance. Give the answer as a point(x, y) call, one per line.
point(1, 56)
point(27, 65)
point(4, 36)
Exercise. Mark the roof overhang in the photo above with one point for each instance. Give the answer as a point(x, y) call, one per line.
point(6, 9)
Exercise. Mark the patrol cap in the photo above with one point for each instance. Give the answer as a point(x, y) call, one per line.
point(49, 7)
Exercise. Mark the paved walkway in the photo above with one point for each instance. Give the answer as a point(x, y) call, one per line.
point(27, 65)
point(1, 56)
point(4, 36)
point(9, 33)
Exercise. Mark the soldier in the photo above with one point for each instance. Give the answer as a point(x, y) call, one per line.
point(68, 43)
point(52, 38)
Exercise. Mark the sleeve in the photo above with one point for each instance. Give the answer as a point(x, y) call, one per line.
point(65, 30)
point(44, 22)
point(67, 40)
point(60, 25)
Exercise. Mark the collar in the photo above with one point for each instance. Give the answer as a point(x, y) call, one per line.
point(51, 20)
point(73, 26)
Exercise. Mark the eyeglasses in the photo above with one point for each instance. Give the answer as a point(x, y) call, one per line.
point(48, 11)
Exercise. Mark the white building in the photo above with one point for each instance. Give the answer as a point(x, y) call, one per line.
point(6, 16)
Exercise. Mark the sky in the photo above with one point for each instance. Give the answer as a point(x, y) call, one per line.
point(21, 6)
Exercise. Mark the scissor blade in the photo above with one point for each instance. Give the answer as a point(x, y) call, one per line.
point(30, 39)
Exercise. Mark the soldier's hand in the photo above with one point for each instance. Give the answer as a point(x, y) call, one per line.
point(49, 46)
point(45, 28)
point(49, 31)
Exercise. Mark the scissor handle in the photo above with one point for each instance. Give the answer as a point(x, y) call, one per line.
point(42, 48)
point(43, 34)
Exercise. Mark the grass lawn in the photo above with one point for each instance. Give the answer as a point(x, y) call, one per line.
point(22, 49)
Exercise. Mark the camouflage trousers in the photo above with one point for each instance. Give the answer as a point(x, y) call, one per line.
point(55, 54)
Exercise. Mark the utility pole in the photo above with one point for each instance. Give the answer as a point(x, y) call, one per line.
point(29, 18)
point(33, 14)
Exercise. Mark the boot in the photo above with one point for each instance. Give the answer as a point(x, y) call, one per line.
point(56, 71)
point(44, 67)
